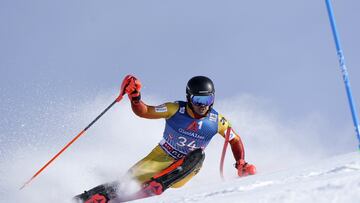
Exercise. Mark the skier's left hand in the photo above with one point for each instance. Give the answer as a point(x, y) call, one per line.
point(244, 168)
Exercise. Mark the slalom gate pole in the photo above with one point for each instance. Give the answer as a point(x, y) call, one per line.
point(118, 99)
point(343, 69)
point(227, 135)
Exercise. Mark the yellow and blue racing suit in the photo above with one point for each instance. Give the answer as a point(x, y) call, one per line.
point(183, 133)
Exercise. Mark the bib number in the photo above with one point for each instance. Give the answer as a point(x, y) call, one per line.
point(184, 142)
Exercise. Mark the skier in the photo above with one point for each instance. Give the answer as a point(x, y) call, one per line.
point(189, 128)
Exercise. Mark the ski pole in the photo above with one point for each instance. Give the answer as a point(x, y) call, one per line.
point(227, 135)
point(343, 69)
point(118, 99)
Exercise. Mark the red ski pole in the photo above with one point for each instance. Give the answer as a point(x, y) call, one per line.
point(118, 99)
point(227, 135)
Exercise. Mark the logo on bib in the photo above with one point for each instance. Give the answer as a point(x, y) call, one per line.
point(182, 110)
point(194, 126)
point(213, 117)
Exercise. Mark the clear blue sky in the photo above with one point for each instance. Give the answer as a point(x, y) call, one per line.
point(281, 51)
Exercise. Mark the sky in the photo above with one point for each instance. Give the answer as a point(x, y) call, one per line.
point(280, 51)
point(274, 66)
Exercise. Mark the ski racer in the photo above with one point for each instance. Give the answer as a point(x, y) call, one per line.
point(190, 126)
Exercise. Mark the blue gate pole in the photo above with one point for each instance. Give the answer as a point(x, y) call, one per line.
point(343, 69)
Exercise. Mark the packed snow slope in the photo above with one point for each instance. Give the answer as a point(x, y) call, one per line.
point(296, 158)
point(336, 179)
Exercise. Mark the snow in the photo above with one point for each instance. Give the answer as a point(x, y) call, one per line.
point(294, 164)
point(331, 180)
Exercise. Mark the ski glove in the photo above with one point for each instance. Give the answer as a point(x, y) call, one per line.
point(131, 86)
point(244, 168)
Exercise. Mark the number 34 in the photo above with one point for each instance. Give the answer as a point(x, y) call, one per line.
point(183, 142)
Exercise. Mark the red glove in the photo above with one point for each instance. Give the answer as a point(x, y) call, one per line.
point(131, 86)
point(244, 168)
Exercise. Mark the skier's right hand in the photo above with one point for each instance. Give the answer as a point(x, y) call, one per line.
point(131, 86)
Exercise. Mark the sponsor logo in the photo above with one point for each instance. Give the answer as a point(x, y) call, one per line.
point(213, 117)
point(173, 152)
point(232, 134)
point(171, 136)
point(223, 120)
point(191, 134)
point(182, 110)
point(160, 109)
point(193, 126)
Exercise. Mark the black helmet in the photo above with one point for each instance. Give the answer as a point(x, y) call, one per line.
point(200, 86)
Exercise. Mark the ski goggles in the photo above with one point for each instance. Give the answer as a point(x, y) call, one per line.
point(206, 100)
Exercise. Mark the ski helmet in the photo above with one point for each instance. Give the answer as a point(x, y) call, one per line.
point(200, 91)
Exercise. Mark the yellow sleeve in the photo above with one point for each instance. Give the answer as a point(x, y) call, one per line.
point(165, 110)
point(235, 141)
point(223, 125)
